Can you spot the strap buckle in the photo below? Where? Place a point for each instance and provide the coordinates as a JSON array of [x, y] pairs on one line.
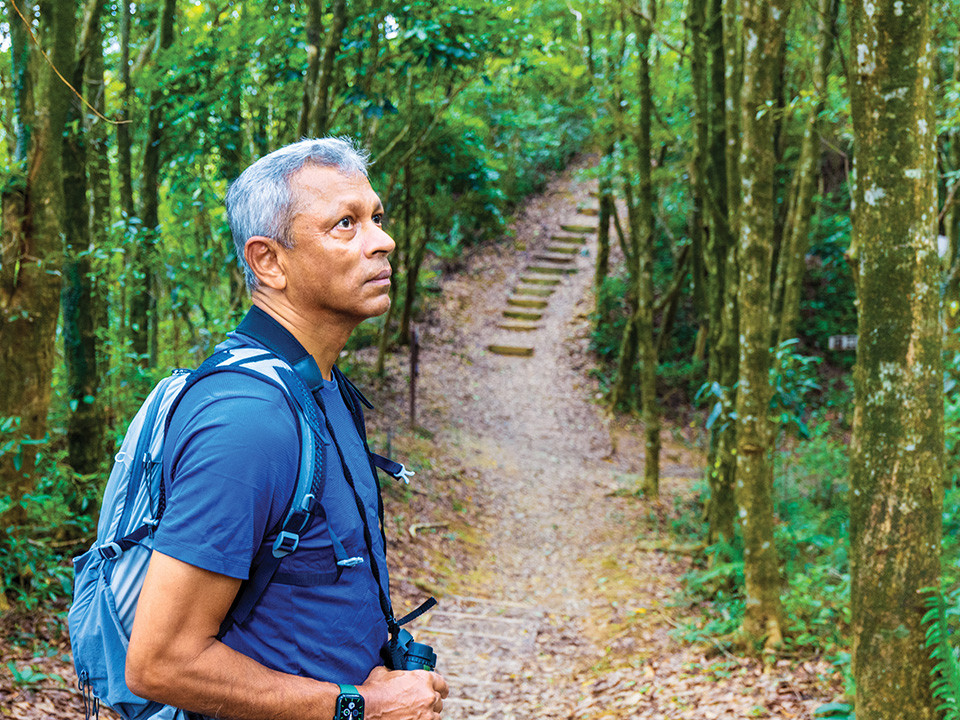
[[350, 562], [110, 551], [285, 544]]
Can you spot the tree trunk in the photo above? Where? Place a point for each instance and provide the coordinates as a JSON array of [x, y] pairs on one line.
[[143, 301], [627, 357], [897, 449], [794, 249], [763, 37], [647, 252], [723, 366], [31, 248], [320, 111], [607, 209], [313, 31], [696, 24], [77, 298]]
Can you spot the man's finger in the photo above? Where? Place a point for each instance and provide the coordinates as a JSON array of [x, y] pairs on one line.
[[438, 704], [440, 685]]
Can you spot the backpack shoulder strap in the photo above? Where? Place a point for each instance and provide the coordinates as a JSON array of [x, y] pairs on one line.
[[304, 504]]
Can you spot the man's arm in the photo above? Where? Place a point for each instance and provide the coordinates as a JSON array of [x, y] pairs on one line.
[[175, 658]]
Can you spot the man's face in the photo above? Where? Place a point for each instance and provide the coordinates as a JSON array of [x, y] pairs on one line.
[[338, 267]]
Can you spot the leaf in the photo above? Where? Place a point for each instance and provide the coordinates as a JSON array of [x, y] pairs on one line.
[[834, 710]]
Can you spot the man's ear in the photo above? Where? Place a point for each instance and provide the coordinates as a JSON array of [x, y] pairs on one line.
[[262, 256]]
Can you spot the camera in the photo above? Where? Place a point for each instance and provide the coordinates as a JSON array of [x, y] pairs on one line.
[[402, 653]]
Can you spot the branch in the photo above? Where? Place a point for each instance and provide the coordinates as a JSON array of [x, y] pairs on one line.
[[669, 45]]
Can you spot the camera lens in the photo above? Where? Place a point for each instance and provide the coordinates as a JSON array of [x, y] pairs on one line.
[[420, 657]]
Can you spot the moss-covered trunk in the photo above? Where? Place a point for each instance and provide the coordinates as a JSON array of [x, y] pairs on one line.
[[31, 246], [763, 23], [646, 334], [724, 194], [897, 450]]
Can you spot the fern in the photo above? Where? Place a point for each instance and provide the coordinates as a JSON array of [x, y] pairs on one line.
[[946, 673]]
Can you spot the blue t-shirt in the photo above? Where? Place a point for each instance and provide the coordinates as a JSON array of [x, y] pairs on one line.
[[230, 468]]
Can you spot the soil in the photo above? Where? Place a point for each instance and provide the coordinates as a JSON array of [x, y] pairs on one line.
[[558, 591]]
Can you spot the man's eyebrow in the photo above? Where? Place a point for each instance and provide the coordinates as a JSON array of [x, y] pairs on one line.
[[357, 207]]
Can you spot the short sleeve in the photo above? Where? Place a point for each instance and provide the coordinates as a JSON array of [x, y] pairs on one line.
[[230, 468]]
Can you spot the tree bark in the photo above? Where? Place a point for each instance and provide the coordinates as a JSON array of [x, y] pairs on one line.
[[696, 24], [31, 249], [897, 449], [723, 357], [763, 37], [646, 334]]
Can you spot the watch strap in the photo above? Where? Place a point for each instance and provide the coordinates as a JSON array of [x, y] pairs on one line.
[[349, 690]]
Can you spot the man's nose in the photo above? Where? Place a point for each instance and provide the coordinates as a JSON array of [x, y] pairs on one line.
[[380, 242]]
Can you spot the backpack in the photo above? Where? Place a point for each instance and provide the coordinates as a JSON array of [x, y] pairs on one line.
[[109, 576]]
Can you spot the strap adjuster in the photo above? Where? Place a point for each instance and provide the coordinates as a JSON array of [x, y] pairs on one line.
[[350, 562], [110, 551], [285, 544]]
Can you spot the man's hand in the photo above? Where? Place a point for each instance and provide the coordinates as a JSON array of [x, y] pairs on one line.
[[403, 694]]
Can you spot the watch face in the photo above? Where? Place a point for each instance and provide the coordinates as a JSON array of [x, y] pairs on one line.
[[349, 707]]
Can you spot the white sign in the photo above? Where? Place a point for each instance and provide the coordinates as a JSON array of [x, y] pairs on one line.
[[843, 342]]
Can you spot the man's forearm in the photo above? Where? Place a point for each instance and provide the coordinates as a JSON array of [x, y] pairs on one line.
[[221, 682]]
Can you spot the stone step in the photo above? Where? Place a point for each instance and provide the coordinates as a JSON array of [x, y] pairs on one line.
[[581, 229], [589, 211], [554, 257], [519, 326], [522, 315], [570, 239], [535, 291], [526, 302], [566, 249], [510, 350], [534, 280], [549, 270]]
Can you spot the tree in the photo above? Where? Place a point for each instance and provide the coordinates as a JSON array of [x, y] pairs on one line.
[[143, 301], [763, 30], [897, 449], [31, 251], [80, 305]]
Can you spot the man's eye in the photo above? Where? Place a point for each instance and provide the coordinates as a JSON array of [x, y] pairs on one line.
[[346, 223], [378, 219]]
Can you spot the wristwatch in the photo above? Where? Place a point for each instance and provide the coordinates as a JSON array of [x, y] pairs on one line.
[[349, 704]]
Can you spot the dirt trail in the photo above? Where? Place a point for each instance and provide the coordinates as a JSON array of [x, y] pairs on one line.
[[563, 616]]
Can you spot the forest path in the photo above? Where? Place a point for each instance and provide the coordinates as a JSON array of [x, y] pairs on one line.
[[563, 615]]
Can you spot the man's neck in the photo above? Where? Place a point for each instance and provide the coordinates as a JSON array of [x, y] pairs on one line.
[[323, 338]]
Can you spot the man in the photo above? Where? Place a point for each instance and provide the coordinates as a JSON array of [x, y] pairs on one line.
[[309, 235]]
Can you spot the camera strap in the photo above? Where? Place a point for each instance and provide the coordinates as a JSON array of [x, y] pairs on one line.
[[264, 329], [393, 625]]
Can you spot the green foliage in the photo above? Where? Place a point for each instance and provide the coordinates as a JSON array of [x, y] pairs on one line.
[[942, 622], [810, 500], [828, 303], [793, 377], [35, 558]]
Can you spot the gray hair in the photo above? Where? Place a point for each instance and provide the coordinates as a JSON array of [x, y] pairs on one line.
[[261, 202]]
